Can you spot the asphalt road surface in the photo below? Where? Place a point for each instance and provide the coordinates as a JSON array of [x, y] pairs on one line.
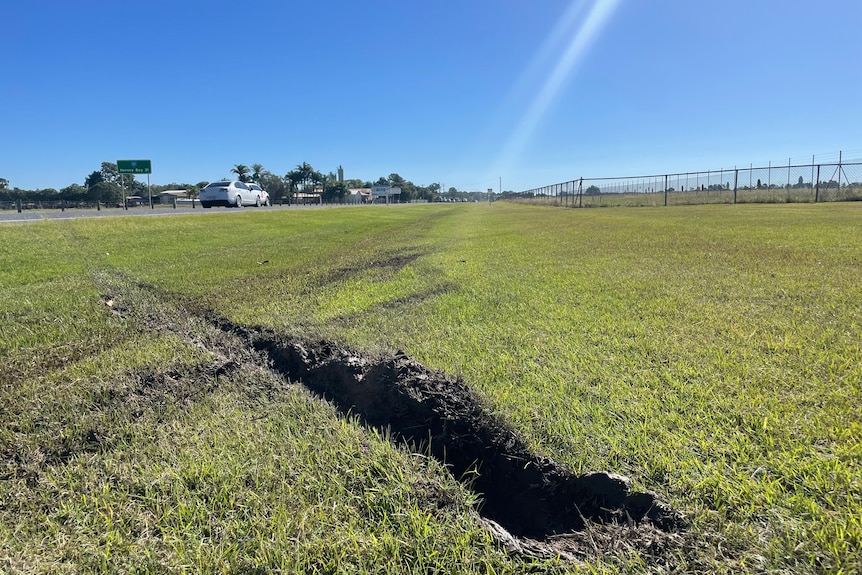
[[158, 210]]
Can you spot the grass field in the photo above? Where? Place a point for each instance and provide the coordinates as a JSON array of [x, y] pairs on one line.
[[712, 354]]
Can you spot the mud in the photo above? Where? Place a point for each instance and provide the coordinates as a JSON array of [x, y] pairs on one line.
[[525, 493], [392, 263], [529, 503]]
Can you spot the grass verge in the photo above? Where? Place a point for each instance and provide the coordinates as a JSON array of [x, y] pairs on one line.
[[711, 353]]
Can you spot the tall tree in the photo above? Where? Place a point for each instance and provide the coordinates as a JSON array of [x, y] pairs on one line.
[[93, 179], [334, 191], [105, 192], [318, 181], [256, 172], [73, 193], [241, 171], [307, 173], [272, 184], [301, 176], [110, 173], [293, 179]]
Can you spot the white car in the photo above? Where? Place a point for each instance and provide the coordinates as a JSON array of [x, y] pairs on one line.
[[228, 193], [263, 195]]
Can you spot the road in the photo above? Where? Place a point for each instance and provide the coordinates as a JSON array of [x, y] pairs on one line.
[[7, 216]]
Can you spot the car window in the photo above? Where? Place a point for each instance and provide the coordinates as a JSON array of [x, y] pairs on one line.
[[241, 186], [219, 185]]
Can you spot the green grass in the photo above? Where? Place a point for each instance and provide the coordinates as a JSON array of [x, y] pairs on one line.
[[711, 353], [697, 197]]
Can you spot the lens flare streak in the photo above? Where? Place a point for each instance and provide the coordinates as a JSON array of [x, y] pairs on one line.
[[586, 32]]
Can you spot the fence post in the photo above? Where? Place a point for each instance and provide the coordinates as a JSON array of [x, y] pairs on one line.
[[840, 172], [817, 186], [665, 190], [18, 205], [98, 206], [735, 182]]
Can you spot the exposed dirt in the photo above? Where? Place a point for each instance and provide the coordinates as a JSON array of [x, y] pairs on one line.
[[392, 262], [527, 494], [530, 504]]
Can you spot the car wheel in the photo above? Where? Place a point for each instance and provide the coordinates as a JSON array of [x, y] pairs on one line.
[[257, 202], [206, 205], [238, 202], [267, 203]]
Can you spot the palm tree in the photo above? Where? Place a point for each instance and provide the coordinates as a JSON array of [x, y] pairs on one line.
[[306, 172], [318, 180], [299, 179], [292, 179], [241, 171], [256, 172]]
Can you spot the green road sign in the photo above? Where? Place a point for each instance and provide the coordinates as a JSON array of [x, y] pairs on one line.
[[134, 167]]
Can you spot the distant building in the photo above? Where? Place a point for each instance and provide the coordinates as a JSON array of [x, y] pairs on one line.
[[385, 194], [168, 196], [358, 196], [307, 198]]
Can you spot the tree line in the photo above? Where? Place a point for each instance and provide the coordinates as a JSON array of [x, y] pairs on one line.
[[304, 179], [108, 186]]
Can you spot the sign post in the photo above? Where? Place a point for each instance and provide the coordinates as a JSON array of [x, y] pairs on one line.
[[137, 167]]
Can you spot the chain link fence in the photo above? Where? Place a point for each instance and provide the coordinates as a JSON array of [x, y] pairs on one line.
[[801, 183]]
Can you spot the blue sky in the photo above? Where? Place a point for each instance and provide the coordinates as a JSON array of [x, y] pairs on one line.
[[469, 93]]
